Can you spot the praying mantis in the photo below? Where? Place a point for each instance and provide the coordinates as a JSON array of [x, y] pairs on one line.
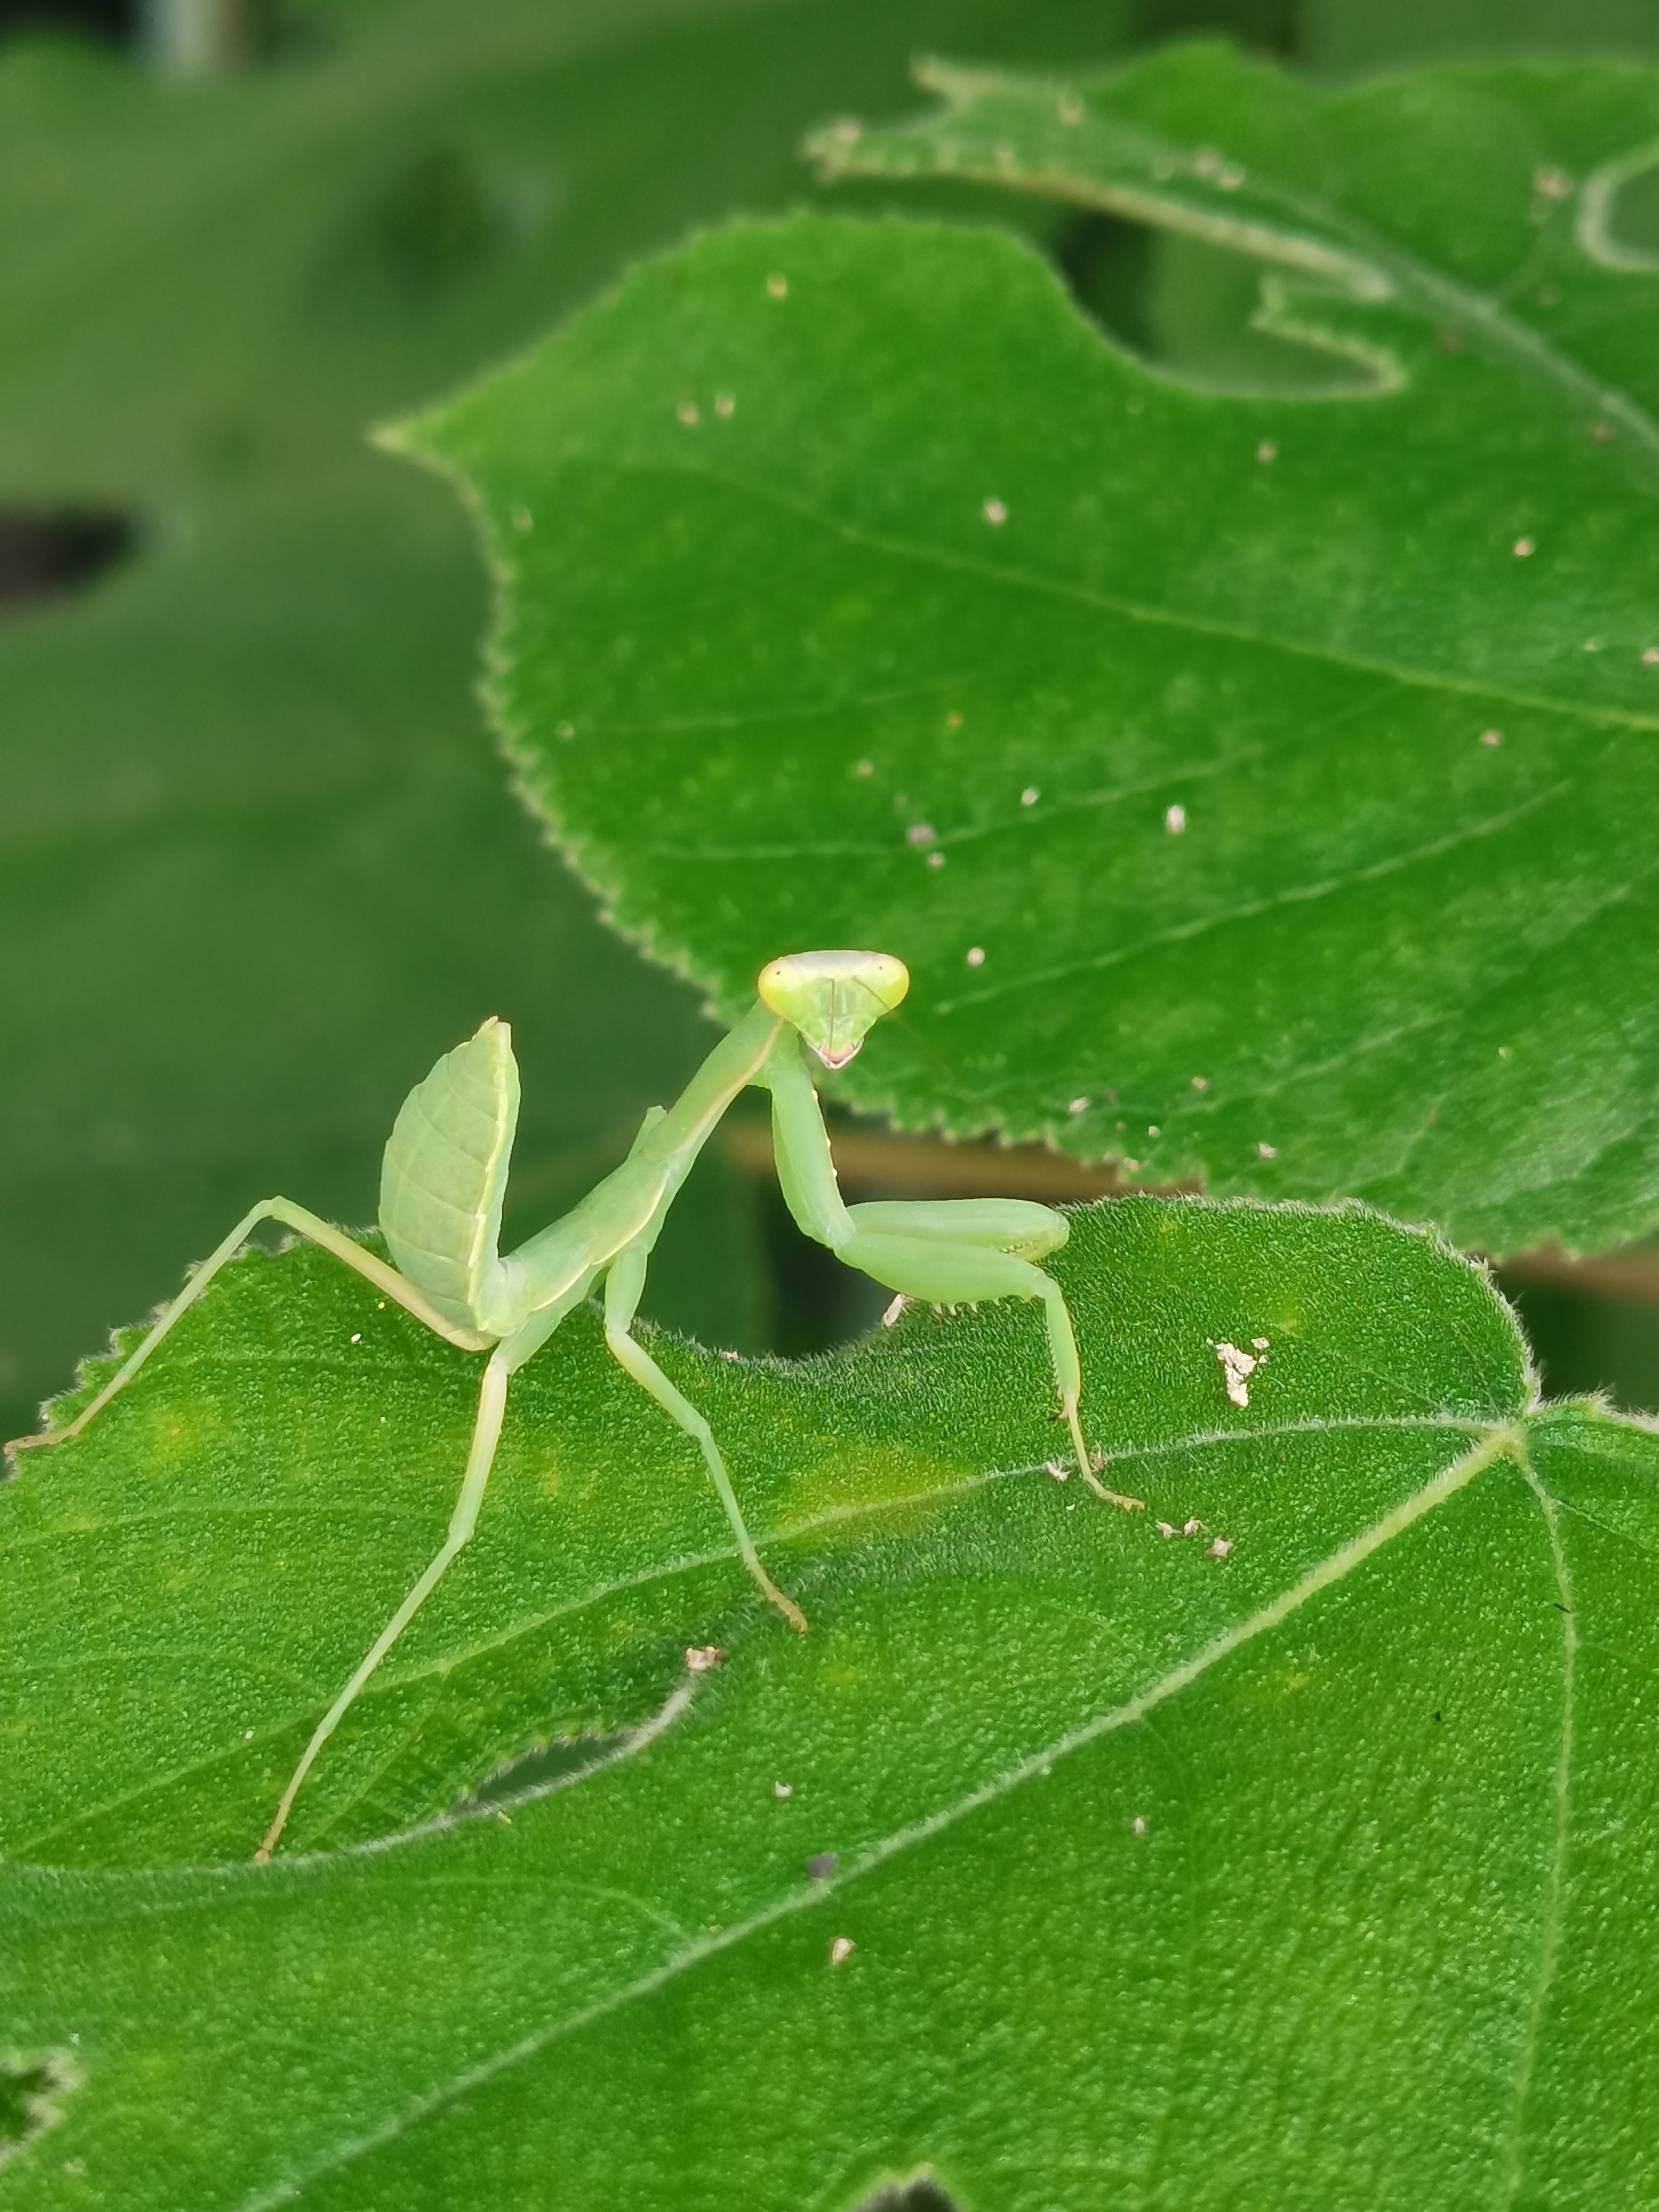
[[442, 1185]]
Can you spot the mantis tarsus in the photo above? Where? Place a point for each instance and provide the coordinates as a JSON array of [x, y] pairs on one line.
[[442, 1188]]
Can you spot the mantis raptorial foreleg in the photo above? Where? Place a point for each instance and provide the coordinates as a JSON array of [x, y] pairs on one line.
[[917, 1249], [441, 1191], [948, 1251]]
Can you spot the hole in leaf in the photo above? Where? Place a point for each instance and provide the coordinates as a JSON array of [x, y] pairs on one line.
[[32, 2090], [1271, 25], [1108, 265], [1631, 220], [561, 1760], [52, 552], [921, 2195], [1194, 309]]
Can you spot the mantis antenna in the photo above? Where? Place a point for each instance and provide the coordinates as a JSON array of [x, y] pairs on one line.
[[441, 1189]]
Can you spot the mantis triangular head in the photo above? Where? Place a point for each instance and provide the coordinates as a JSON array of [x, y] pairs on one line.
[[834, 998]]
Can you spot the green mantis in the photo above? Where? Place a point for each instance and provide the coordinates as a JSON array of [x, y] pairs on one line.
[[441, 1191]]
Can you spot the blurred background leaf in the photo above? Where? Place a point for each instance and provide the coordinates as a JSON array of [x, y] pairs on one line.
[[262, 864]]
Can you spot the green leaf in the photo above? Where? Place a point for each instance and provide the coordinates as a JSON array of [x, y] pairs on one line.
[[900, 607], [1301, 1876]]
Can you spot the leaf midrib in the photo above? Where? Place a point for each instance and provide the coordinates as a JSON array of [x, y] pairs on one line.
[[1499, 1439]]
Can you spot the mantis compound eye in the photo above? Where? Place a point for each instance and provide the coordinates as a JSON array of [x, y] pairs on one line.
[[834, 998]]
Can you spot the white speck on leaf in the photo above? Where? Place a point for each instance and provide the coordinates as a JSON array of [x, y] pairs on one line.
[[687, 411], [920, 833], [994, 512], [1078, 1106], [975, 955], [1137, 1826], [1030, 796], [1060, 1471], [849, 131], [1220, 1548], [893, 1311], [703, 1658], [1200, 1082], [1236, 1369], [1554, 183], [1650, 656], [1524, 548], [1492, 737], [1152, 1129], [778, 286], [783, 1788], [1258, 1344], [840, 1950], [1174, 820], [936, 860], [1266, 450], [358, 1337], [1267, 1151], [864, 768]]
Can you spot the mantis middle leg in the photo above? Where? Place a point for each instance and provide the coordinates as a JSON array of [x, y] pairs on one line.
[[624, 1287]]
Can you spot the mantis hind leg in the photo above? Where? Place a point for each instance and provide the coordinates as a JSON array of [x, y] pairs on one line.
[[959, 1270], [324, 1233], [622, 1288], [486, 1433]]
